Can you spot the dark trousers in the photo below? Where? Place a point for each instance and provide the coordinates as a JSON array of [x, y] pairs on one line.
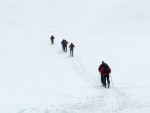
[[106, 77], [52, 41], [65, 48], [71, 52], [102, 79]]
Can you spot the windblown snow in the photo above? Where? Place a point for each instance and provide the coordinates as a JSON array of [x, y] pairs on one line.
[[37, 77]]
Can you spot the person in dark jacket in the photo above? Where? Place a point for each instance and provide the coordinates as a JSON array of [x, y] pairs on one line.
[[105, 70], [63, 44], [52, 39], [102, 77], [71, 49]]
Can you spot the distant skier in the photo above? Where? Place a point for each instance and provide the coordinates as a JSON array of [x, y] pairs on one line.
[[102, 76], [71, 49], [105, 70], [64, 45], [52, 39]]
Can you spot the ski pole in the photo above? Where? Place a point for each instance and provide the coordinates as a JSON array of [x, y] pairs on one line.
[[111, 80]]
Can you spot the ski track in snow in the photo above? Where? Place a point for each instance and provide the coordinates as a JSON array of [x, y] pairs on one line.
[[111, 100], [83, 71], [114, 100]]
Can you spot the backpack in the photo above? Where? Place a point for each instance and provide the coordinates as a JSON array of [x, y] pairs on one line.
[[106, 68]]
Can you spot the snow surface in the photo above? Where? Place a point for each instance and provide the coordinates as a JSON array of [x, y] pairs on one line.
[[37, 77]]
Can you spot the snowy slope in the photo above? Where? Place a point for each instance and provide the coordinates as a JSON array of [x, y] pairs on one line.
[[37, 77]]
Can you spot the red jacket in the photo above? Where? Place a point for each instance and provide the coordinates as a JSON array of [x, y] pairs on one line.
[[100, 67], [103, 71], [71, 46]]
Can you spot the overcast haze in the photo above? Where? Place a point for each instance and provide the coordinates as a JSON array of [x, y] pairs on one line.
[[37, 77]]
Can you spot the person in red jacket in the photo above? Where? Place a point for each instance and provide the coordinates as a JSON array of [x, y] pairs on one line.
[[99, 69], [71, 49], [105, 70]]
